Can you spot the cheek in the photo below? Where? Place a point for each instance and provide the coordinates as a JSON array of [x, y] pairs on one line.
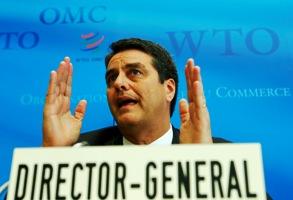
[[155, 93], [110, 99], [109, 95]]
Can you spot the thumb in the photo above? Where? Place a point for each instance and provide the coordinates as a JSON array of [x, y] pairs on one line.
[[184, 111], [80, 109]]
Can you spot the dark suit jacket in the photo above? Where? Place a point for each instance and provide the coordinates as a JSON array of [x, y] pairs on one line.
[[112, 136]]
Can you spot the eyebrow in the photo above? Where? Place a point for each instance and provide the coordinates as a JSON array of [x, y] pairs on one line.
[[134, 65], [128, 65]]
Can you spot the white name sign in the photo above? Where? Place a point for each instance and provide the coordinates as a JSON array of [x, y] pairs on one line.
[[218, 171]]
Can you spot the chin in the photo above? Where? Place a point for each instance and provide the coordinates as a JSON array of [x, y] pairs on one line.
[[127, 120]]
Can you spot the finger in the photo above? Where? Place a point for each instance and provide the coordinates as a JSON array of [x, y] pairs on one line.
[[69, 81], [197, 91], [189, 77], [67, 59], [80, 110], [184, 111], [188, 83], [51, 93], [190, 64], [200, 101], [192, 74], [62, 75], [196, 76]]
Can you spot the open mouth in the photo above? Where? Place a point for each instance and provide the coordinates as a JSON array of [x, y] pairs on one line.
[[126, 102]]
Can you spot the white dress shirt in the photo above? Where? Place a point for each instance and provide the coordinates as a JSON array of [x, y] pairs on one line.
[[165, 139]]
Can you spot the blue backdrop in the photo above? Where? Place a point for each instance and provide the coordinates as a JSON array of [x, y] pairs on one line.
[[244, 48]]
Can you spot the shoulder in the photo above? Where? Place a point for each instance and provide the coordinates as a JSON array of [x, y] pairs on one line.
[[220, 140], [105, 136], [176, 133]]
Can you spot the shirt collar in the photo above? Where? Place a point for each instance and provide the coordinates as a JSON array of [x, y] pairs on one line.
[[165, 139]]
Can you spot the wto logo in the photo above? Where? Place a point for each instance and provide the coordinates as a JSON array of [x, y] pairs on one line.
[[92, 41]]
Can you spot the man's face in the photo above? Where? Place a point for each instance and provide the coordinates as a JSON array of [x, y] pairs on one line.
[[135, 94]]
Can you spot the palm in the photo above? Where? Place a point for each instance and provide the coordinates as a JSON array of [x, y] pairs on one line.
[[60, 127]]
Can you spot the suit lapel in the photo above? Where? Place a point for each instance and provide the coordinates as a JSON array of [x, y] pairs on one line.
[[176, 133], [117, 138]]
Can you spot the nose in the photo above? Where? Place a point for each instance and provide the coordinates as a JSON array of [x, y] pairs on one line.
[[121, 82]]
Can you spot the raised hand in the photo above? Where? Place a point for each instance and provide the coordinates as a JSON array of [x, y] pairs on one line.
[[60, 127], [194, 115]]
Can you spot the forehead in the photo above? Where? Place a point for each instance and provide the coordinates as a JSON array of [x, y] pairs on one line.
[[130, 56]]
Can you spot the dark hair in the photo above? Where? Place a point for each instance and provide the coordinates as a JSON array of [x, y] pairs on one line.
[[162, 60]]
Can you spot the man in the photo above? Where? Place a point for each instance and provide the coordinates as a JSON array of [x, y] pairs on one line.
[[142, 84]]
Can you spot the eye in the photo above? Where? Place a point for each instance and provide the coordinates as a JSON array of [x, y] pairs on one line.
[[111, 78], [135, 72]]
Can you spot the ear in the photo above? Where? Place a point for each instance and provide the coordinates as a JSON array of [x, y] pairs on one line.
[[170, 88]]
